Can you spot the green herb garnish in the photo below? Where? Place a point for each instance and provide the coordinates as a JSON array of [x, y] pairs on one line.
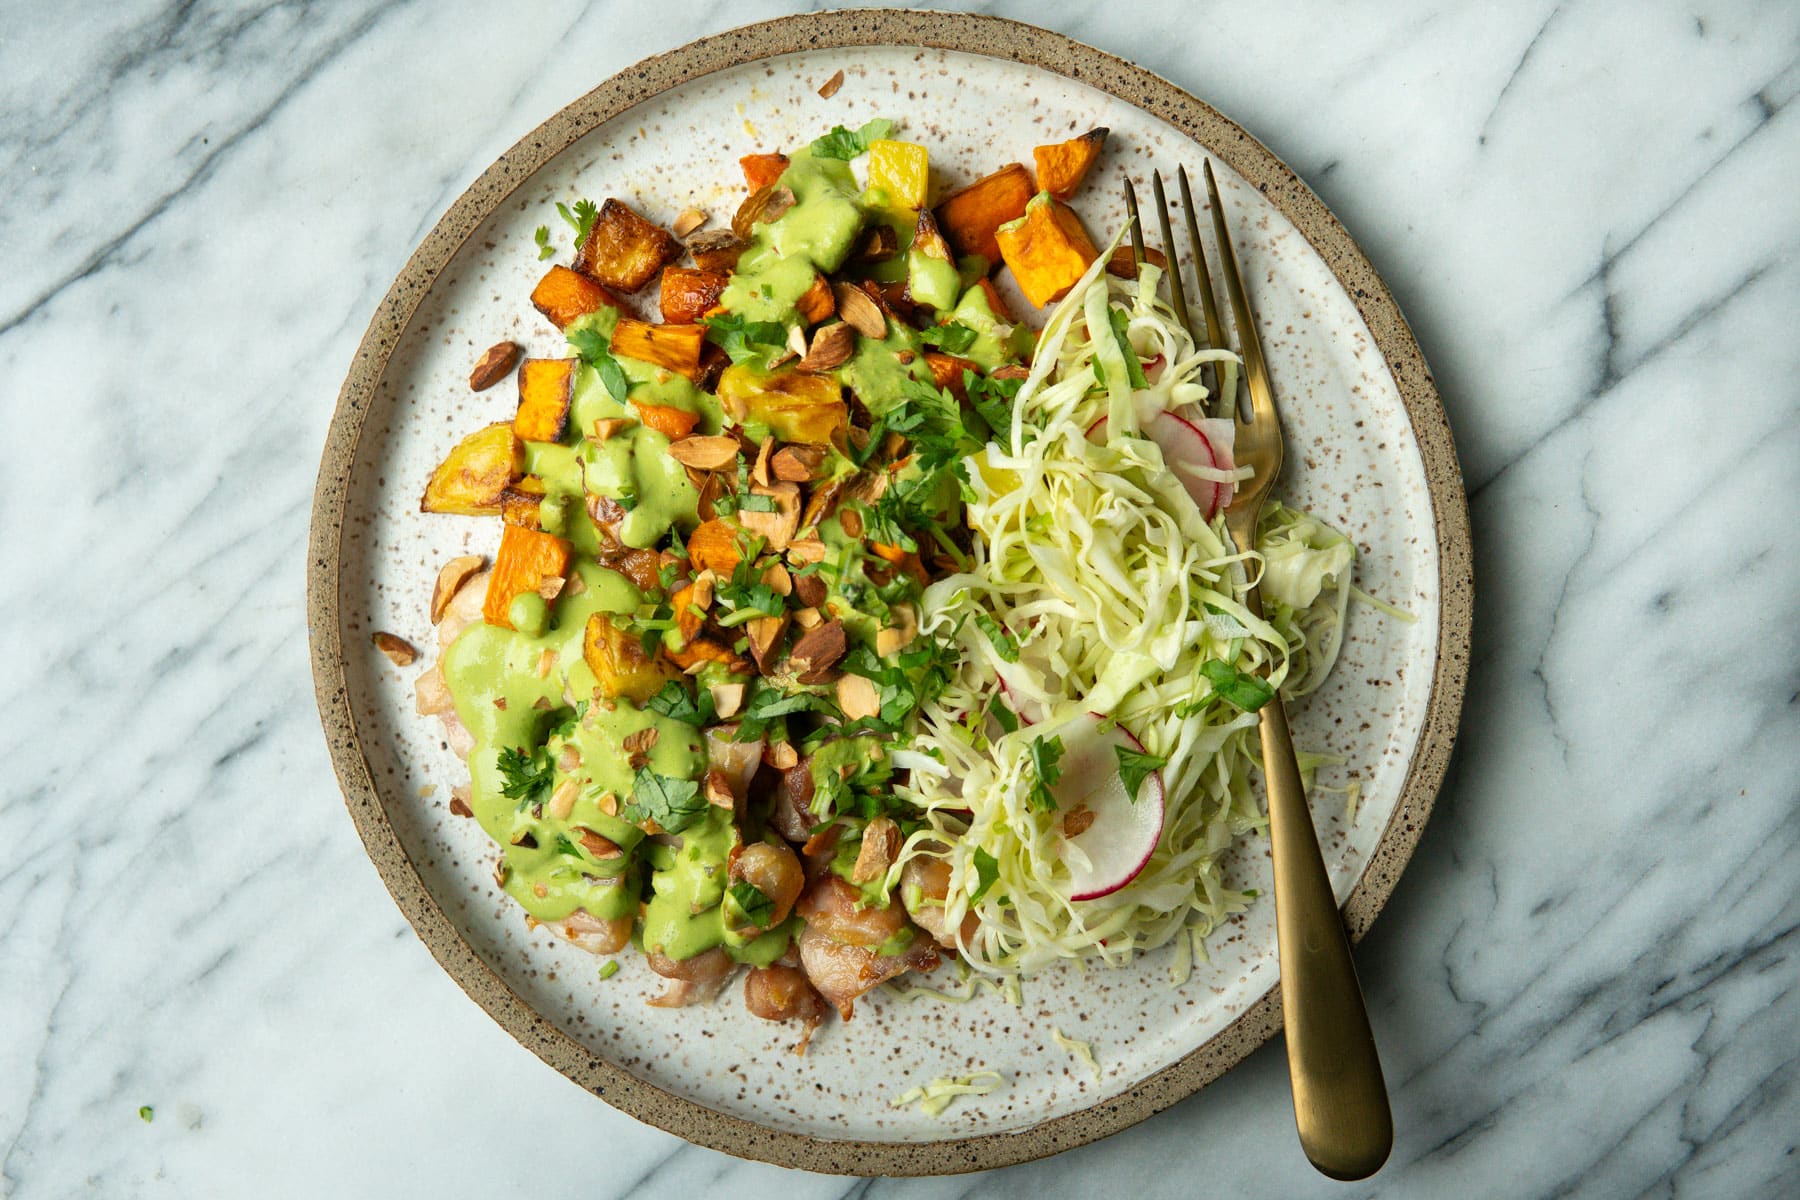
[[672, 803], [987, 870], [753, 903], [1005, 645], [952, 338], [146, 1114], [1135, 766], [1242, 690], [582, 219], [849, 143], [542, 237], [594, 350], [525, 774], [743, 340], [1046, 768], [674, 701], [609, 968], [1133, 367]]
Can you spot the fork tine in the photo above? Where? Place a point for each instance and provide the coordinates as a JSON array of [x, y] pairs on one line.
[[1215, 330], [1137, 225], [1175, 288], [1256, 369]]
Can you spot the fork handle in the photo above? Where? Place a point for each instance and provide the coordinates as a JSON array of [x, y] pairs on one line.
[[1340, 1098]]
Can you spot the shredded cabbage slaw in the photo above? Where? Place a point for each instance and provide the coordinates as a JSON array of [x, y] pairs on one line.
[[1094, 557]]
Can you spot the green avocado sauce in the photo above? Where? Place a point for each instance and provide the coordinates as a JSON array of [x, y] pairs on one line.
[[686, 913]]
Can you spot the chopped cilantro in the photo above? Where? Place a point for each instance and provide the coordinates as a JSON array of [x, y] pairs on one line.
[[672, 803], [987, 870], [757, 502], [849, 143], [146, 1114], [582, 219], [740, 338], [594, 350], [1005, 645], [753, 903], [609, 968], [1046, 769], [1135, 766], [1235, 687], [952, 338], [525, 774], [1008, 720], [674, 701], [542, 237], [1133, 367], [991, 398]]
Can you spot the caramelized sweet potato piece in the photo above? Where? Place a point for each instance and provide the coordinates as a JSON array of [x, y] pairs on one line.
[[519, 502], [796, 406], [563, 295], [687, 294], [619, 663], [969, 217], [472, 476], [714, 546], [716, 250], [673, 423], [673, 347], [1062, 167], [817, 302], [705, 650], [623, 250], [947, 370], [1046, 248], [762, 170], [526, 558], [546, 389]]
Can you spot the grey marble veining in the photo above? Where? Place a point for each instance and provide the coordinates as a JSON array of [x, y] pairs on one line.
[[1585, 984]]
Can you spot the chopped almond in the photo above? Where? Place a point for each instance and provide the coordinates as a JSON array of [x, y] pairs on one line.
[[562, 800], [776, 528], [727, 699], [451, 577], [764, 635], [398, 650], [718, 790], [830, 87], [862, 313], [857, 697], [493, 366], [817, 651], [880, 844], [780, 755], [797, 464], [705, 452], [689, 220], [831, 347]]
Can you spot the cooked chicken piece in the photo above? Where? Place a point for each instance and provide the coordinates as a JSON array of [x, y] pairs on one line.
[[596, 935], [924, 882], [695, 980], [782, 993], [841, 973]]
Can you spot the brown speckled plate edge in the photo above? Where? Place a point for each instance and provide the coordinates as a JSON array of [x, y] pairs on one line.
[[996, 38]]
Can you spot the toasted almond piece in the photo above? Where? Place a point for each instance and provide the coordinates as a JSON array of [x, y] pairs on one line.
[[727, 699], [596, 845], [705, 584], [608, 804], [880, 844], [704, 452], [764, 634], [569, 757], [459, 802], [851, 521], [1076, 821], [718, 790], [495, 364], [807, 618], [643, 739], [606, 427], [562, 800], [818, 650], [778, 579], [829, 88], [546, 663], [781, 755], [552, 587], [451, 576], [892, 641], [1010, 371], [796, 341], [687, 221], [760, 472], [398, 650], [776, 528], [797, 464], [502, 873], [806, 550], [859, 311], [857, 697], [831, 347], [764, 206]]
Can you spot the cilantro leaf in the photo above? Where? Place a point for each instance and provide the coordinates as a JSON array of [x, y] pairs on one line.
[[1133, 366], [582, 219], [524, 774], [596, 351], [1046, 767], [542, 237], [1247, 692], [1005, 645], [757, 502], [1008, 720], [987, 870], [672, 803], [674, 702], [847, 143], [991, 398], [951, 338], [740, 338], [753, 903], [1135, 766]]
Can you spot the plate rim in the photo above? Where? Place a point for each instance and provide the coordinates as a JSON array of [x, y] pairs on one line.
[[988, 36]]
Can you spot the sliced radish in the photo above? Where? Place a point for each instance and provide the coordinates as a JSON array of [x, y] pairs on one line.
[[1221, 435], [1188, 448], [1124, 833]]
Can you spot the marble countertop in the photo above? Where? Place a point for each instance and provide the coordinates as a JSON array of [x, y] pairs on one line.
[[1584, 985]]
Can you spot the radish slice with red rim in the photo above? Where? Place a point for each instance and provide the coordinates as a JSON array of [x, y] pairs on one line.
[[1117, 845]]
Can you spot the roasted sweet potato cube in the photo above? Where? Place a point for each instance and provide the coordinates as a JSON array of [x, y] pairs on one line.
[[947, 370], [563, 295], [1062, 167], [673, 423], [761, 170], [716, 250], [623, 250], [795, 405], [969, 217], [672, 347], [525, 560], [472, 477], [620, 666], [688, 295], [519, 502], [816, 303], [546, 389], [1046, 248], [902, 170], [713, 546], [705, 650]]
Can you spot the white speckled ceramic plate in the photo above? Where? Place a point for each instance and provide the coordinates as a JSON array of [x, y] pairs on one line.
[[1368, 452]]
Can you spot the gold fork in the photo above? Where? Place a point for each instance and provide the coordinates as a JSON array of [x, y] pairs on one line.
[[1340, 1099]]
